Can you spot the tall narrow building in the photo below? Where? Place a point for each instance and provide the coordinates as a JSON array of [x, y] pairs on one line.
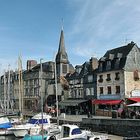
[[62, 62]]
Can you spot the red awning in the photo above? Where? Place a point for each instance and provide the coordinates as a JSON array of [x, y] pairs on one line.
[[135, 99], [106, 102]]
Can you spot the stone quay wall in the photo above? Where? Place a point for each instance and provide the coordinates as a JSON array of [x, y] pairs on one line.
[[122, 127]]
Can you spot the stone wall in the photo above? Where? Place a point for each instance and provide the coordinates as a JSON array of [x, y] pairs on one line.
[[122, 127], [130, 83]]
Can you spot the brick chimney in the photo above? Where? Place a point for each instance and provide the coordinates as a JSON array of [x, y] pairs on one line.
[[31, 64], [94, 63]]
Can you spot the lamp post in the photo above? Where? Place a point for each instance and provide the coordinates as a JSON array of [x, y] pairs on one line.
[[56, 94], [41, 94]]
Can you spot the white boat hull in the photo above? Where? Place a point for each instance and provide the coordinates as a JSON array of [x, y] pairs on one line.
[[20, 130], [20, 133], [5, 132]]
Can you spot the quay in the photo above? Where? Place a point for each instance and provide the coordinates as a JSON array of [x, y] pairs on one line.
[[116, 128]]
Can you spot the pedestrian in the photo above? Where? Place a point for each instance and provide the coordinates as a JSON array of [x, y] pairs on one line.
[[88, 114]]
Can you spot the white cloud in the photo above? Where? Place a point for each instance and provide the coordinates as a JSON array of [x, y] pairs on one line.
[[104, 24]]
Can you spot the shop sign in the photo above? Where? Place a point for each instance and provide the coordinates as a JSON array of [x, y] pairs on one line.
[[135, 93]]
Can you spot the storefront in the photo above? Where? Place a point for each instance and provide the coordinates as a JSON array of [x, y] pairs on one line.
[[105, 107], [78, 106]]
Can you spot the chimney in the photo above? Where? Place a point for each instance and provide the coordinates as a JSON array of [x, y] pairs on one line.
[[31, 64], [94, 63]]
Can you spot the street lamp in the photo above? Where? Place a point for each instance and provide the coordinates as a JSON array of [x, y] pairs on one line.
[[41, 94]]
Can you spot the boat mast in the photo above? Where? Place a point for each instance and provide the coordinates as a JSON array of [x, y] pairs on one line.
[[8, 90], [5, 105], [20, 85]]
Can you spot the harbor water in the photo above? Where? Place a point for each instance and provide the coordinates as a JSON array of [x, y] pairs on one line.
[[11, 137], [111, 137]]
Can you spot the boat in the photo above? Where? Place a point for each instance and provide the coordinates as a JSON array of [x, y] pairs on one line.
[[37, 133], [4, 125], [38, 136], [73, 132], [20, 130]]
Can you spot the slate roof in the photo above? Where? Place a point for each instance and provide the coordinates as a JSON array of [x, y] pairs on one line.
[[124, 50], [85, 70], [46, 66], [120, 53]]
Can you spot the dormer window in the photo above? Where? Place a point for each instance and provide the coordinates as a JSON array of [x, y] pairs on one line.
[[108, 65], [117, 76], [108, 77], [117, 63], [100, 66], [100, 78], [111, 56]]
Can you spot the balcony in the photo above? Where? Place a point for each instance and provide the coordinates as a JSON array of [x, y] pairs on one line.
[[100, 80], [117, 78], [108, 79]]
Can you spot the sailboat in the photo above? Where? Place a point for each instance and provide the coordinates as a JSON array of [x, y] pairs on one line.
[[4, 120]]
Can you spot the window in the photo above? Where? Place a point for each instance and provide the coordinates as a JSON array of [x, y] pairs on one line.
[[90, 78], [117, 76], [101, 90], [136, 75], [66, 131], [26, 92], [76, 131], [117, 62], [108, 65], [109, 89], [64, 68], [100, 66], [87, 91], [36, 82], [117, 89], [100, 78], [108, 77], [92, 91]]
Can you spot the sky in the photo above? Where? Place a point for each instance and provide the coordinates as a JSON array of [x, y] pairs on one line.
[[31, 29]]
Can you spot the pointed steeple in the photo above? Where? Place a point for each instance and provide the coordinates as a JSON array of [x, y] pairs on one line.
[[62, 62], [62, 42], [61, 56]]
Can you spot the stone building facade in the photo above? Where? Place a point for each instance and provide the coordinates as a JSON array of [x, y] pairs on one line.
[[118, 76], [82, 88]]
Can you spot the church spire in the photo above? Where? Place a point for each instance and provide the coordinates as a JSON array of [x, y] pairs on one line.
[[62, 62], [61, 56], [62, 42]]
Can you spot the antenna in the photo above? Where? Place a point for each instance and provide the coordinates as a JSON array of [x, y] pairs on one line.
[[126, 39], [62, 23]]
